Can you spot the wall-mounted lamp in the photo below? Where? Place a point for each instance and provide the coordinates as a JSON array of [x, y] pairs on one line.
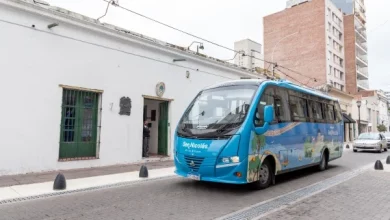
[[177, 60], [50, 26], [200, 46]]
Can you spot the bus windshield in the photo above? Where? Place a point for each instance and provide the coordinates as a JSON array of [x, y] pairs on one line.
[[216, 112]]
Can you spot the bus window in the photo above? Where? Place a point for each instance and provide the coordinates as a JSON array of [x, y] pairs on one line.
[[329, 111], [267, 98], [316, 110], [298, 108], [281, 105], [337, 109]]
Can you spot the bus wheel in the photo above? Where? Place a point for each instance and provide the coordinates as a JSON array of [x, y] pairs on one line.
[[266, 176], [324, 161]]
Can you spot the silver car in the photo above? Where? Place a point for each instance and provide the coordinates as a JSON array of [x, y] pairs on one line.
[[370, 142], [387, 136]]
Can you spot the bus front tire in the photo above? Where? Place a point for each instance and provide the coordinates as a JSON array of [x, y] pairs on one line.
[[266, 176]]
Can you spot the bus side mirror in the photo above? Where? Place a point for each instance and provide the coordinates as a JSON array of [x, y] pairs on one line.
[[268, 113]]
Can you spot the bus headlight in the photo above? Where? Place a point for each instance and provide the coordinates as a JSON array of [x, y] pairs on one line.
[[234, 159]]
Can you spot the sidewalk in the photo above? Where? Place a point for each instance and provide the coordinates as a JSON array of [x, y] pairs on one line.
[[80, 173], [363, 197]]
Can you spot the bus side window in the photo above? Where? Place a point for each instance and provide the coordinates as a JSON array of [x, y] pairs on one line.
[[298, 108], [338, 115], [329, 111], [316, 110], [267, 98], [281, 105]]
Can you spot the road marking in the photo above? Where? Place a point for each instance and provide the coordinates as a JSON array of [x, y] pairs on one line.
[[267, 207]]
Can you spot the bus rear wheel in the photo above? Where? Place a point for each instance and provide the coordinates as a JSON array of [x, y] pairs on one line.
[[266, 176]]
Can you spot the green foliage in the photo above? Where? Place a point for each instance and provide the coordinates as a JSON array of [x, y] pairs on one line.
[[382, 128]]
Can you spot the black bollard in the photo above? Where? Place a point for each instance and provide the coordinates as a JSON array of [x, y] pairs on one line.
[[59, 182], [388, 160], [143, 172], [378, 165], [347, 146]]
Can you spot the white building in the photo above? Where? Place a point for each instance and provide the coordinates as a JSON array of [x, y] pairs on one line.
[[373, 110], [253, 51], [67, 83], [335, 46]]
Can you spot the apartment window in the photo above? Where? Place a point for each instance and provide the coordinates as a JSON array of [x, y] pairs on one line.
[[342, 76], [329, 12], [330, 69], [337, 46], [329, 26], [79, 124], [338, 60], [341, 87]]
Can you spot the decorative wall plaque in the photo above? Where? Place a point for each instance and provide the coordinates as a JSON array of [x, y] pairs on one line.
[[160, 89], [125, 106]]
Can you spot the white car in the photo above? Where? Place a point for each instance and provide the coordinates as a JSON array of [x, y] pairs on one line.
[[370, 142], [387, 136]]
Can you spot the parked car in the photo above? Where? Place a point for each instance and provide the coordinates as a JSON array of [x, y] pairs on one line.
[[387, 136], [370, 142]]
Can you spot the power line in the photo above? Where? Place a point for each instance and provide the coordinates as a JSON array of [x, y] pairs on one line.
[[185, 32], [284, 73], [203, 39], [294, 71]]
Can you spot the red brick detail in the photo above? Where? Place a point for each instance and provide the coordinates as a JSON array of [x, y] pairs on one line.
[[304, 51], [350, 54]]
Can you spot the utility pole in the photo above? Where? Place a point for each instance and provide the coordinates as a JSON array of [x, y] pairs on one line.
[[274, 65]]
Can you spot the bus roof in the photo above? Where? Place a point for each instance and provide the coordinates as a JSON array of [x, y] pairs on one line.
[[240, 82], [282, 83]]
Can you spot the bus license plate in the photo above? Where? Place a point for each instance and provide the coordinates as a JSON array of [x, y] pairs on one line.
[[193, 176]]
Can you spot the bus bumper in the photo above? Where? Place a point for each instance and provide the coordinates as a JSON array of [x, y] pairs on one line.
[[227, 173]]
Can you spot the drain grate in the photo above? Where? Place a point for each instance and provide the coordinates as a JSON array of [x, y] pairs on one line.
[[260, 209], [28, 198]]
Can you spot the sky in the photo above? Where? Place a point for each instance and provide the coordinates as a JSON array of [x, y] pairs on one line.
[[226, 21]]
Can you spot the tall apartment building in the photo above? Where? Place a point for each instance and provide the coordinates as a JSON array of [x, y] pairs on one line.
[[355, 44], [252, 49], [308, 37]]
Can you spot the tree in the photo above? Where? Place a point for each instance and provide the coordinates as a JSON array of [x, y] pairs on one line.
[[382, 128]]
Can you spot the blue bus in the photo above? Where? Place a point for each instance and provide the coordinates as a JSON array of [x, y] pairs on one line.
[[248, 131]]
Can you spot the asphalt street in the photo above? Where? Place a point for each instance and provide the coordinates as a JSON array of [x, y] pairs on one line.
[[174, 198]]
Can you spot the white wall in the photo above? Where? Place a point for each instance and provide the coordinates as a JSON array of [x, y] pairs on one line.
[[35, 61], [329, 44]]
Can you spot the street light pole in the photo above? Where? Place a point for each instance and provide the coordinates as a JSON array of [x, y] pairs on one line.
[[359, 104]]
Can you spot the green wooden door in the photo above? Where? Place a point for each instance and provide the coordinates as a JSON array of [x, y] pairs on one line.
[[163, 129], [79, 124]]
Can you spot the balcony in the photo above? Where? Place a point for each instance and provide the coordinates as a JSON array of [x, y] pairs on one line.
[[361, 59], [363, 84], [361, 34], [361, 47], [360, 13], [362, 73]]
